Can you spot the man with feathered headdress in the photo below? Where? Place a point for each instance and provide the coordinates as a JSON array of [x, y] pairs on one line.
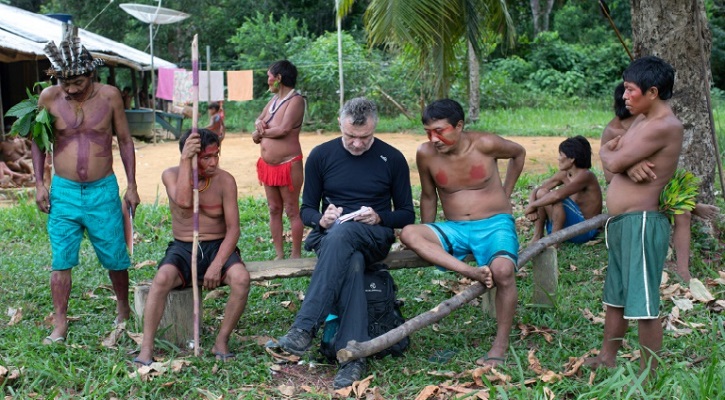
[[84, 191]]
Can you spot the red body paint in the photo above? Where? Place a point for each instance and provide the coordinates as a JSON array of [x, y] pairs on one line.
[[84, 136], [477, 172], [441, 177]]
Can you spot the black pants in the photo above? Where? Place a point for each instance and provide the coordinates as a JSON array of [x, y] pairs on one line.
[[336, 286]]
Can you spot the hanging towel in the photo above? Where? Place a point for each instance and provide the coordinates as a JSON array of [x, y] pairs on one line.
[[217, 85], [165, 84], [239, 85], [182, 87]]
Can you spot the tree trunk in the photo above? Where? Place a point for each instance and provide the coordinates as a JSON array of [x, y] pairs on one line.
[[547, 14], [355, 350], [474, 83], [677, 32], [535, 15]]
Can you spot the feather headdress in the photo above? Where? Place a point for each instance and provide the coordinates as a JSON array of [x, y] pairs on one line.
[[72, 58]]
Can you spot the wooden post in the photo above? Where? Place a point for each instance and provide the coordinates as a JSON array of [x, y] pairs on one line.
[[546, 277], [177, 322], [488, 302]]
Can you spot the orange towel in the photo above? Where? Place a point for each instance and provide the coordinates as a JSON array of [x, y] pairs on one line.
[[239, 85]]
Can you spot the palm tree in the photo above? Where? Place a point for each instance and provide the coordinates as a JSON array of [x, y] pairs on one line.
[[432, 29]]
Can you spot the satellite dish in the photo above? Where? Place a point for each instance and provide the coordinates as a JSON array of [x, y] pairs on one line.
[[154, 14]]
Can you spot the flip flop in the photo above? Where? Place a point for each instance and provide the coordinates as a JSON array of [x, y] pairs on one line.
[[224, 356], [142, 363], [50, 340], [494, 361]]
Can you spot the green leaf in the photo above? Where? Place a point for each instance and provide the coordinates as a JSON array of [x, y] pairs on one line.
[[22, 125], [21, 109]]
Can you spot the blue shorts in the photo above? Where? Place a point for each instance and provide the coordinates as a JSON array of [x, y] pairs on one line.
[[486, 239], [574, 216], [93, 207]]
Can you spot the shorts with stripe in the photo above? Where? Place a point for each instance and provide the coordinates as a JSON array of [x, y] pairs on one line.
[[637, 244]]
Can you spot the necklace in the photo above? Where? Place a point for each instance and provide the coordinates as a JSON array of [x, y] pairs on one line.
[[79, 114], [275, 106], [206, 185]]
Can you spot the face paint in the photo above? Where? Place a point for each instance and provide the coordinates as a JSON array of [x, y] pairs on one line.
[[438, 134]]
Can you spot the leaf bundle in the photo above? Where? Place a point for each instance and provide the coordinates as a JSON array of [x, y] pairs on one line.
[[31, 122], [678, 196]]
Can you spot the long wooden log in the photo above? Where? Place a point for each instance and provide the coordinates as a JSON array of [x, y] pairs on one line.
[[355, 350], [291, 268]]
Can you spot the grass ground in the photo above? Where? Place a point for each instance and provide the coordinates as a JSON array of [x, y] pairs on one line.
[[692, 365]]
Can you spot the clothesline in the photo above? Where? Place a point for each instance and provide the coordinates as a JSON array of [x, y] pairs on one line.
[[175, 84]]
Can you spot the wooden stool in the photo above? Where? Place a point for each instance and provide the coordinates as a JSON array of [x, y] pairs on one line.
[[177, 323]]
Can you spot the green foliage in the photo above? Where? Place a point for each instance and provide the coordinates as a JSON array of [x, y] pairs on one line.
[[318, 77], [32, 123], [263, 39]]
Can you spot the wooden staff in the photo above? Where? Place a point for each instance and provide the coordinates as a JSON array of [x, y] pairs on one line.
[[195, 178], [355, 350], [605, 10]]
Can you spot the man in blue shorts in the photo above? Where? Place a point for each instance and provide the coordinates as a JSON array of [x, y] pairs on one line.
[[83, 193], [218, 259], [570, 196], [637, 234], [461, 168]]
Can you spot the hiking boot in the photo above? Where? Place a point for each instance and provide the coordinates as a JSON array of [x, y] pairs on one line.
[[349, 373], [295, 341]]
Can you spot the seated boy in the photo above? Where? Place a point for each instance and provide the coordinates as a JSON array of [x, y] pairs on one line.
[[571, 196]]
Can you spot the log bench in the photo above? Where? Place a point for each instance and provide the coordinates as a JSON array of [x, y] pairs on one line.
[[177, 322]]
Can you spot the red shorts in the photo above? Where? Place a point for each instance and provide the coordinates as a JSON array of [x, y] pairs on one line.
[[276, 175]]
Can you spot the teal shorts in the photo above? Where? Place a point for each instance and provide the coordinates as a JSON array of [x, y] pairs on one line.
[[637, 244], [486, 239], [93, 207]]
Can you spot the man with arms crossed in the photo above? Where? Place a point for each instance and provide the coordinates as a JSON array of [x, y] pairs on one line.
[[637, 233], [84, 190], [356, 172], [461, 168], [218, 260]]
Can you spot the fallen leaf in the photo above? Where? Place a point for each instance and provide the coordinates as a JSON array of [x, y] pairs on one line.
[[283, 357], [360, 387], [427, 392], [286, 390], [344, 392], [208, 395], [572, 267], [534, 363], [591, 317], [699, 292], [147, 263], [112, 338], [683, 304], [716, 306], [550, 376], [136, 337], [259, 340], [289, 305], [216, 294], [549, 393], [15, 314]]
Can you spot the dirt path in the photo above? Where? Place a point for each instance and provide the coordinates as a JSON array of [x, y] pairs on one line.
[[239, 156]]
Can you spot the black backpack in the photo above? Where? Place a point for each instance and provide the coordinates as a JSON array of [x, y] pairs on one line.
[[383, 313]]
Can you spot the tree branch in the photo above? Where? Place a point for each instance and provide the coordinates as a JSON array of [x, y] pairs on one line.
[[355, 350]]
